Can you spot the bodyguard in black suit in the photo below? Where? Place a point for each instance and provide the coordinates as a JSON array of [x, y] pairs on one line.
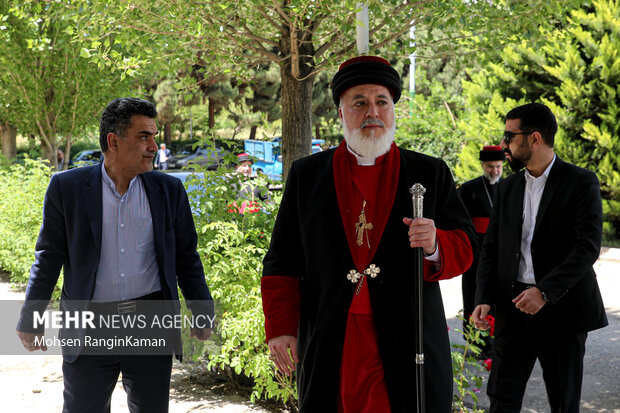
[[536, 266], [121, 233]]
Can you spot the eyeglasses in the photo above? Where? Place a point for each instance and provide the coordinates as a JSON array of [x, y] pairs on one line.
[[509, 135]]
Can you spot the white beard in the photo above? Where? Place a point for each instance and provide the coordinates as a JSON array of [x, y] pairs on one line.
[[492, 180], [368, 146]]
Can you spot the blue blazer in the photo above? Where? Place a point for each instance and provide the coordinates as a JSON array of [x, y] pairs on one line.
[[70, 237]]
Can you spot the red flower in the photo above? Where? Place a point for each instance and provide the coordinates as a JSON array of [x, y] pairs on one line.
[[487, 364], [491, 320]]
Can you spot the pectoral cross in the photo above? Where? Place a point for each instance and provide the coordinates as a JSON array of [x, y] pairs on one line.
[[361, 227]]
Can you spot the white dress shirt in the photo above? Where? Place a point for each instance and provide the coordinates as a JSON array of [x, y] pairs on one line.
[[534, 188], [128, 265]]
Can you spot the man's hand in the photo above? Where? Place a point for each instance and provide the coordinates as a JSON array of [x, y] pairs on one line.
[[422, 233], [29, 343], [479, 316], [530, 301], [201, 334], [279, 348]]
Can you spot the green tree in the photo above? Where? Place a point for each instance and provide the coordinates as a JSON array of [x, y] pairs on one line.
[[166, 101], [429, 124], [576, 72], [303, 37], [325, 113], [265, 95], [47, 89]]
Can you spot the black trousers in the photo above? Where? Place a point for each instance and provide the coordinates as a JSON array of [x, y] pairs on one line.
[[90, 381], [524, 340]]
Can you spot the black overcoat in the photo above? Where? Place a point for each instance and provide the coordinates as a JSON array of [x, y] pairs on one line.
[[309, 242]]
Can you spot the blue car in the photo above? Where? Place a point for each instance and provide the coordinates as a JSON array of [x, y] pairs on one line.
[[267, 156]]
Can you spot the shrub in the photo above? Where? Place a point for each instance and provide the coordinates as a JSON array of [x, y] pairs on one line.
[[232, 246], [22, 189], [466, 368]]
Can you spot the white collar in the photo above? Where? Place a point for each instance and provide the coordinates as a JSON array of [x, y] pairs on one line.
[[362, 160]]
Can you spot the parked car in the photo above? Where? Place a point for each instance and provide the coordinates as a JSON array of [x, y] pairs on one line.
[[267, 156], [86, 157], [209, 157], [316, 145]]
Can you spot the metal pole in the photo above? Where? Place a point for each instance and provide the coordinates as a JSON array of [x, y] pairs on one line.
[[191, 125], [362, 37], [417, 196], [412, 69]]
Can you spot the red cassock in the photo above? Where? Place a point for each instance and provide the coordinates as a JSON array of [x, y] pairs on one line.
[[356, 340]]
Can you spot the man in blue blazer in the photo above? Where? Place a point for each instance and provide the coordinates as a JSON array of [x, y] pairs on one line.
[[122, 233], [536, 264]]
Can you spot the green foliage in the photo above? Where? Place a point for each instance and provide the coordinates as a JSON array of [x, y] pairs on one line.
[[429, 126], [466, 368], [482, 125], [232, 246], [325, 113], [302, 37], [22, 188], [166, 101], [47, 90]]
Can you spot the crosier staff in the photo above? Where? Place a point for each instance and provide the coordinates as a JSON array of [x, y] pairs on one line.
[[417, 197]]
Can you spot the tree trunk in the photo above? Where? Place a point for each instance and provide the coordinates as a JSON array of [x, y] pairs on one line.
[[168, 134], [317, 131], [296, 118], [49, 152], [297, 82], [65, 163], [211, 113], [8, 138], [253, 132]]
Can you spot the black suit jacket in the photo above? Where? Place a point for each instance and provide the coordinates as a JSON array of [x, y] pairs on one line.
[[70, 238], [565, 245]]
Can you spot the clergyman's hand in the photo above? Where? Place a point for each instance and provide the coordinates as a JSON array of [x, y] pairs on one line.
[[32, 341], [279, 348], [422, 233], [479, 316]]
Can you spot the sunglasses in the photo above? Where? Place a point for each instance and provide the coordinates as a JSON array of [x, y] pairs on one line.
[[508, 136]]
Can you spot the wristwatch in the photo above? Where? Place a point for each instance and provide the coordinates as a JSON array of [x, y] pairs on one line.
[[544, 296]]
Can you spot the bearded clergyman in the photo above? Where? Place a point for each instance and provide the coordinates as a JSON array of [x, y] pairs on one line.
[[338, 279]]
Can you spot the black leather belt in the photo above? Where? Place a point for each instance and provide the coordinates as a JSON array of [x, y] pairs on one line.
[[124, 307], [522, 286]]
